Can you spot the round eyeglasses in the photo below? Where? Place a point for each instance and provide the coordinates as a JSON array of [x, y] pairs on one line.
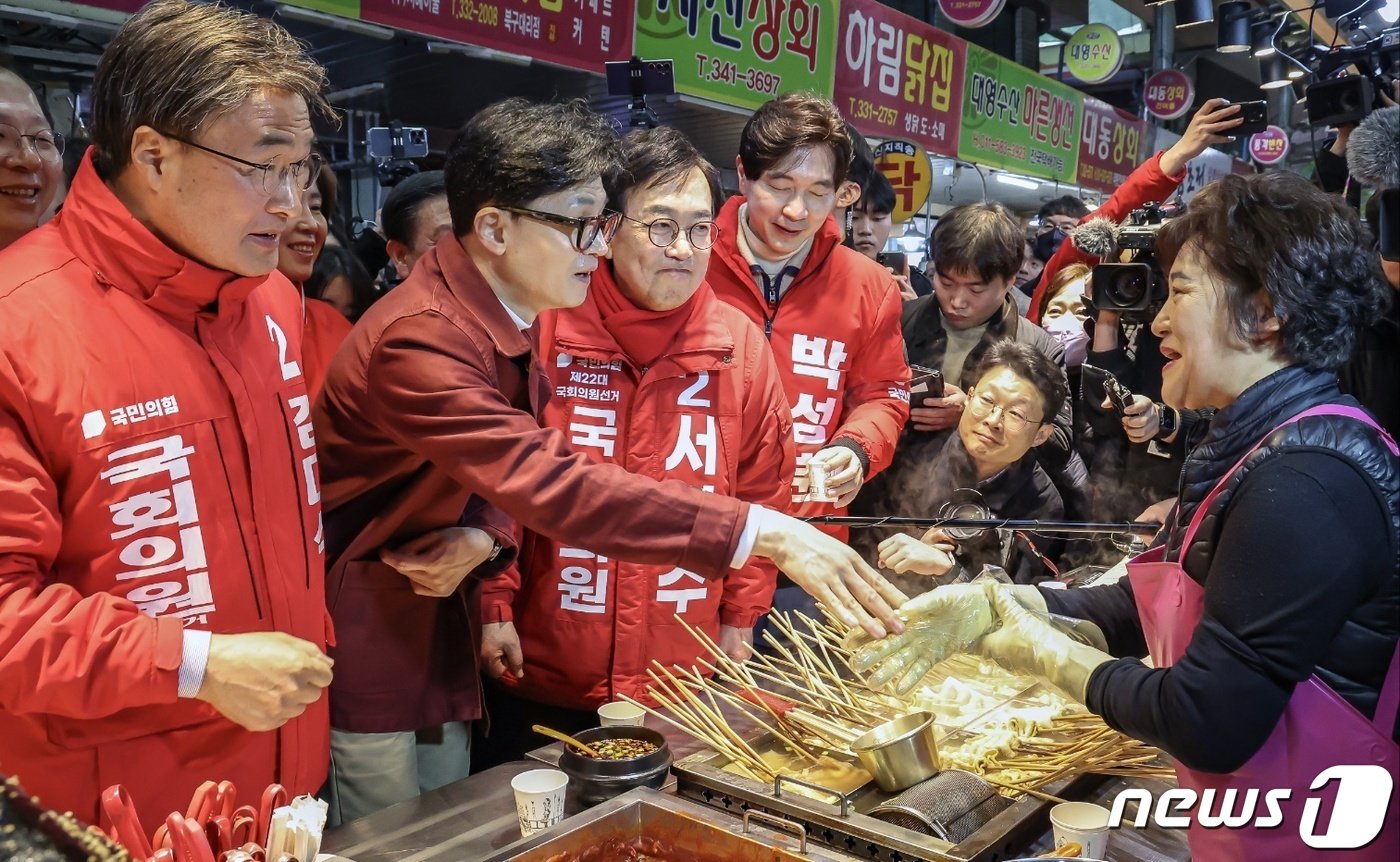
[[587, 230], [981, 405], [664, 231], [302, 174], [46, 145]]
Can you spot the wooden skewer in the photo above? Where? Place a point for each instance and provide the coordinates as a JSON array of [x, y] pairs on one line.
[[718, 745], [716, 718]]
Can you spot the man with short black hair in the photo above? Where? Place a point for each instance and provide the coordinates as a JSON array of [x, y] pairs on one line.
[[162, 609], [830, 314], [426, 414], [414, 217]]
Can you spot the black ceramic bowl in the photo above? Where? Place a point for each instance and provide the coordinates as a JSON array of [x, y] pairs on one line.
[[597, 780]]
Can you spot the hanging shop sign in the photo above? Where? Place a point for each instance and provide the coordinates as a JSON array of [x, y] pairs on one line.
[[1168, 94], [1017, 120], [742, 52], [1269, 147], [1110, 145], [343, 8], [971, 13], [579, 34], [1094, 53], [905, 164], [898, 77]]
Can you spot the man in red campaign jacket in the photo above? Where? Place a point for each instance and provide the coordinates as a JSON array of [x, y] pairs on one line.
[[654, 374], [830, 313], [162, 614]]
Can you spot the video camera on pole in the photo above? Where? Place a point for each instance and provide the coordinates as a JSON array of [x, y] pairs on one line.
[[392, 148], [1135, 289], [637, 78]]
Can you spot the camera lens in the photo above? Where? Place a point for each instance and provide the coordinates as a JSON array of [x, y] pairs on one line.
[[1128, 288]]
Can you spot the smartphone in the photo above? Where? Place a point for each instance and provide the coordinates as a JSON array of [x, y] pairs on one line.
[[1256, 118], [928, 382], [895, 260]]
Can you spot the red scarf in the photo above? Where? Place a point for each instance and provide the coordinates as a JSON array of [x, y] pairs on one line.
[[644, 335]]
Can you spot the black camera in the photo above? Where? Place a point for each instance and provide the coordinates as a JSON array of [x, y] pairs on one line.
[[393, 147], [1136, 289]]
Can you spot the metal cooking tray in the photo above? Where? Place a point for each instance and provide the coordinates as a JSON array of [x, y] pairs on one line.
[[845, 825], [670, 829]]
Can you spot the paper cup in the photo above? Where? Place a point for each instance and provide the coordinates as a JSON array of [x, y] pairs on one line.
[[621, 714], [539, 799], [1084, 823]]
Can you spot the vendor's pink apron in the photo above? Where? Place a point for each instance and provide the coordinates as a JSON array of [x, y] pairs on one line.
[[1318, 728]]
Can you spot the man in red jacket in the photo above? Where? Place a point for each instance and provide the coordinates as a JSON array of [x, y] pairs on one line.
[[830, 313], [162, 615], [656, 375], [427, 410]]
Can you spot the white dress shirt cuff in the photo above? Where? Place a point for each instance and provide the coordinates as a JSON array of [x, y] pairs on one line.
[[747, 538], [193, 661]]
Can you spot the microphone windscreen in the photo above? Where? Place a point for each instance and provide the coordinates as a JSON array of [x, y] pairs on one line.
[[1373, 151], [1097, 237]]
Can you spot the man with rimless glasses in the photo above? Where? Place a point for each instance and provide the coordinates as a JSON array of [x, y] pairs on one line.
[[162, 605], [426, 422], [1010, 411], [31, 159]]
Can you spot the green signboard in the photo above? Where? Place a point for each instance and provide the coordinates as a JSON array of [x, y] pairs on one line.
[[343, 8], [1017, 120], [742, 52]]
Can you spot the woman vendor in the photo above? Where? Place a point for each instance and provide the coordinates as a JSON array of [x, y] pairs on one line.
[[1270, 605]]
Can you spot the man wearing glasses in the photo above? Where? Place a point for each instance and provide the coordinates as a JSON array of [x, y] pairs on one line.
[[1010, 411], [652, 373], [426, 422], [31, 159], [162, 607]]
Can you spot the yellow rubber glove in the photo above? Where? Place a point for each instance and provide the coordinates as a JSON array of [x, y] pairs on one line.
[[938, 623], [1027, 642]]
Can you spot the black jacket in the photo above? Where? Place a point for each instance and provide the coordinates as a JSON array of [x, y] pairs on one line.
[[937, 467], [1301, 564]]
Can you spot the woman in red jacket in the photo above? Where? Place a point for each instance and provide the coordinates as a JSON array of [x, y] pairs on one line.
[[652, 373]]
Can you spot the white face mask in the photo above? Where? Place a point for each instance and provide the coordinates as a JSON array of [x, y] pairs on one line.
[[1069, 331]]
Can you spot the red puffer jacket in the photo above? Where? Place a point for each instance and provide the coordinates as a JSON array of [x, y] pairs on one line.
[[835, 333], [710, 412], [157, 472]]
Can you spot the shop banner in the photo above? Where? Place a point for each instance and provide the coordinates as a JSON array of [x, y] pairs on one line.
[[1269, 147], [899, 77], [1018, 120], [1110, 145], [971, 13], [579, 34], [906, 166], [1168, 94], [1094, 53], [742, 52]]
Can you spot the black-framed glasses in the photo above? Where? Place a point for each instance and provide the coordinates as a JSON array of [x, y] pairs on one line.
[[983, 405], [586, 229], [47, 145], [664, 231], [302, 174]]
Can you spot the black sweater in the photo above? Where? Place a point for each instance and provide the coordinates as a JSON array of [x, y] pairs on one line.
[[1304, 543]]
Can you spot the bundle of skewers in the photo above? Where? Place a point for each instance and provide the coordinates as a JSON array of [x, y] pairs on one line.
[[808, 696]]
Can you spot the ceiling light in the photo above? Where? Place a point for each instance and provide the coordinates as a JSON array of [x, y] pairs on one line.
[[1232, 28], [1190, 12], [1261, 38], [1272, 74], [1018, 182], [311, 16]]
